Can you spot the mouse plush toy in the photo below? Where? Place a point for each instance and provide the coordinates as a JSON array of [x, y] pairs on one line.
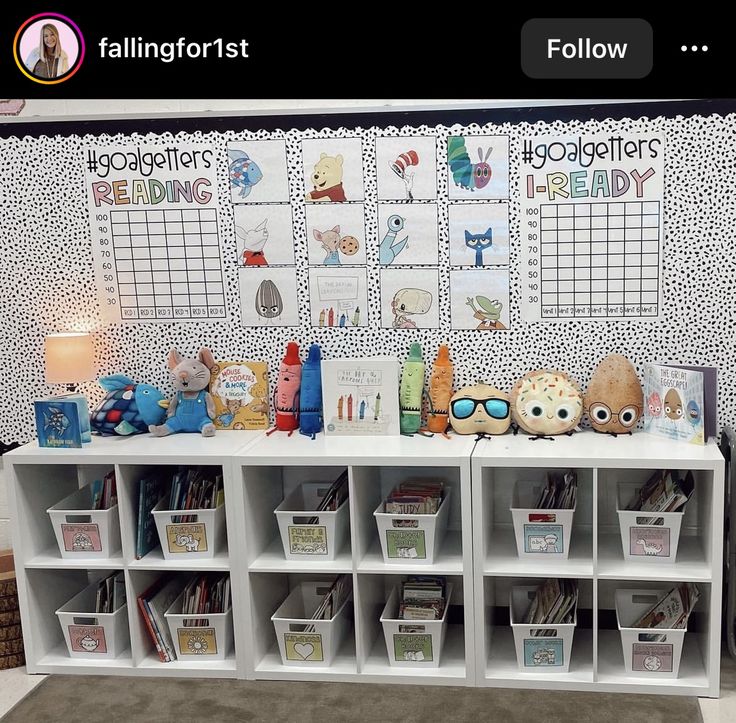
[[192, 408]]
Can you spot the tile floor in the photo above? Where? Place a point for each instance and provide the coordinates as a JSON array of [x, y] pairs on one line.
[[15, 685]]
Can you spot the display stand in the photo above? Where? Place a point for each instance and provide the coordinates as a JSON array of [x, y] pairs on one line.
[[478, 554]]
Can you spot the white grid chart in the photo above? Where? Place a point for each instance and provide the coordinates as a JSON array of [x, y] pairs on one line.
[[600, 259], [168, 264]]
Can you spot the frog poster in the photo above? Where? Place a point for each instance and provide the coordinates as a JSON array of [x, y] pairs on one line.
[[479, 299]]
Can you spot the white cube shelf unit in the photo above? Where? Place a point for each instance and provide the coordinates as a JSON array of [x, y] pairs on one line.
[[41, 477], [478, 554], [271, 469], [596, 558]]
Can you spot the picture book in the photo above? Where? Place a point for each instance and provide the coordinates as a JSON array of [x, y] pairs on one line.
[[361, 396], [150, 490], [680, 402], [240, 391], [57, 423]]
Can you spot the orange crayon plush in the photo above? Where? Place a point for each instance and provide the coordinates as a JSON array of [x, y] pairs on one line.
[[440, 391]]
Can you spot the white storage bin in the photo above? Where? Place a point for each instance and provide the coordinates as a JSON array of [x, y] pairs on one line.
[[200, 538], [539, 531], [412, 538], [413, 643], [82, 532], [316, 645], [321, 540], [534, 653], [649, 652], [93, 635], [205, 636], [642, 540]]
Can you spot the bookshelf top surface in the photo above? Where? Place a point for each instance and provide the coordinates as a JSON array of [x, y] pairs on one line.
[[589, 449], [141, 447], [415, 450]]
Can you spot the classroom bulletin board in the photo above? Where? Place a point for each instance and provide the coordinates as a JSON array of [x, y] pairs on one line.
[[523, 238]]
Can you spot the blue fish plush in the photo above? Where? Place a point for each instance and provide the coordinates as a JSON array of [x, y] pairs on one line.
[[310, 399], [128, 407]]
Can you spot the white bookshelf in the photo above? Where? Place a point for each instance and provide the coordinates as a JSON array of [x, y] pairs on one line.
[[41, 477], [478, 554], [269, 470], [596, 558]]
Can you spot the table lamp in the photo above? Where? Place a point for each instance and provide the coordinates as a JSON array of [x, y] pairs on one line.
[[69, 359]]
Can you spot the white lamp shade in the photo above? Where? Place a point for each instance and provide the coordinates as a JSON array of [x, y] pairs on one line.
[[69, 358]]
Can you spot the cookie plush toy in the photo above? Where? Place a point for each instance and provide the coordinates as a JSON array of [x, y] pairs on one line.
[[546, 402], [614, 400]]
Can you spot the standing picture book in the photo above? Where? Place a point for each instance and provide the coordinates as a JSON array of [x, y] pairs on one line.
[[150, 491], [680, 402], [240, 391], [361, 396], [62, 421]]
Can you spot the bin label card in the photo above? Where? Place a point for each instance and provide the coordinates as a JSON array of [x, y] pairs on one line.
[[650, 658], [543, 652], [543, 538], [303, 647], [87, 639], [415, 648], [308, 539], [81, 538], [407, 544], [649, 542], [187, 537], [197, 641]]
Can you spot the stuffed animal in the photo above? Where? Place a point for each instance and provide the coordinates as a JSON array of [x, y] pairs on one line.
[[411, 390], [286, 394], [192, 408], [310, 398], [440, 391], [128, 407], [546, 402], [614, 400], [480, 409]]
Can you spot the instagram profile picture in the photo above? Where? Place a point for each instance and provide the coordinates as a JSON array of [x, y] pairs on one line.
[[48, 48]]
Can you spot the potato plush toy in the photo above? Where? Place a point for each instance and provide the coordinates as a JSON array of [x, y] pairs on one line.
[[614, 400]]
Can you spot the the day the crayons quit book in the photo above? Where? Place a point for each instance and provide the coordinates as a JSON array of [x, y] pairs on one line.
[[680, 402], [240, 391], [62, 421], [360, 396]]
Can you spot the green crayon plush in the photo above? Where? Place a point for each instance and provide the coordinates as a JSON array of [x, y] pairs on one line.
[[410, 391]]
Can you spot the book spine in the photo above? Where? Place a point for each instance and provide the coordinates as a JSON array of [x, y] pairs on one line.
[[149, 624]]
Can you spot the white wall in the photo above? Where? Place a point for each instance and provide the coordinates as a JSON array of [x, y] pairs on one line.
[[54, 109]]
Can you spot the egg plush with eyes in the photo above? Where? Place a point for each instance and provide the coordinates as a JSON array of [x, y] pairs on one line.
[[614, 400], [546, 402]]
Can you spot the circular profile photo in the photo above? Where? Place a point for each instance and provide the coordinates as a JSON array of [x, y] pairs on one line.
[[48, 48]]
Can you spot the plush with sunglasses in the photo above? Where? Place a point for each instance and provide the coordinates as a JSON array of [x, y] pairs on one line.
[[480, 409]]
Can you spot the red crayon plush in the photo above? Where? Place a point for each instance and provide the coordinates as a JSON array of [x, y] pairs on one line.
[[287, 390]]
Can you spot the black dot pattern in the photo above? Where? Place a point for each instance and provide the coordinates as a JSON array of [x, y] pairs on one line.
[[48, 284]]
